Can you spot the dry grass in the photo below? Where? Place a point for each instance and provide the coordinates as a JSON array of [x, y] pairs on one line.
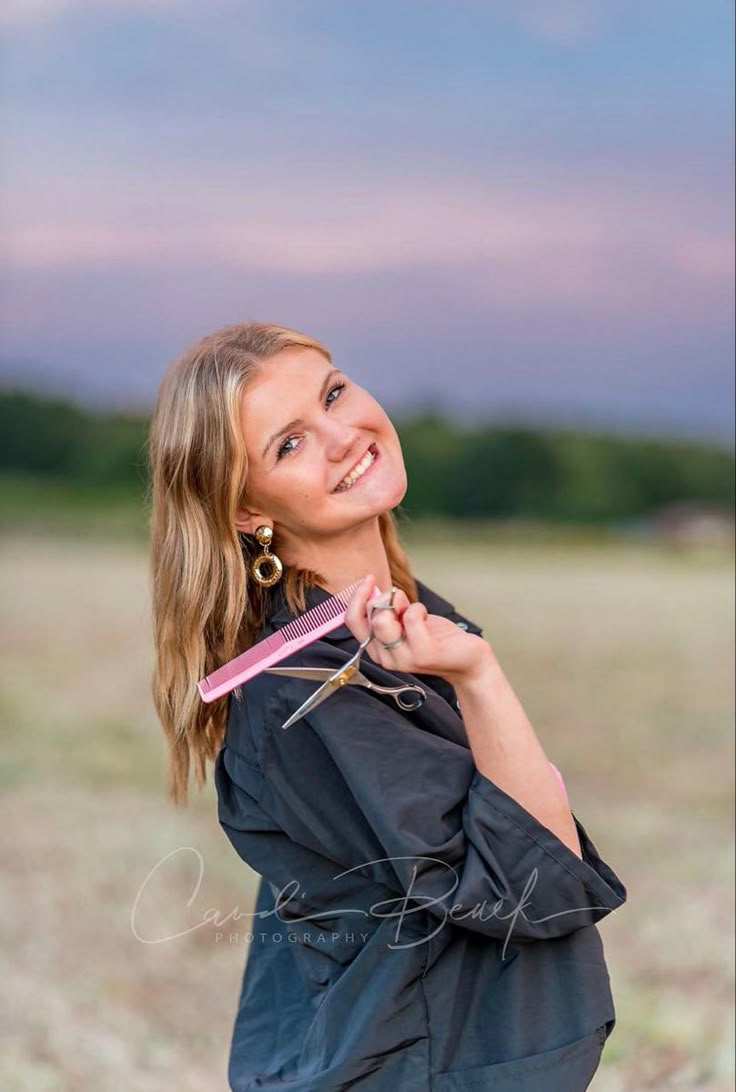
[[622, 657]]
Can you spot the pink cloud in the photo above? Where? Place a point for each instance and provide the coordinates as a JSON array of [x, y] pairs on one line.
[[607, 247], [39, 13], [707, 259]]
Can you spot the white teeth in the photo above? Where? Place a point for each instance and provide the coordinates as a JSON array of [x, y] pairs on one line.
[[359, 470]]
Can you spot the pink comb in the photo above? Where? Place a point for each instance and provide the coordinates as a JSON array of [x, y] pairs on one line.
[[290, 638]]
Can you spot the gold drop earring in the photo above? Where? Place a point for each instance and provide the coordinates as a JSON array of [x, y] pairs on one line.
[[264, 534]]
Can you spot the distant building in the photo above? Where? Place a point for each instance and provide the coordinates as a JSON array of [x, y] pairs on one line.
[[693, 523]]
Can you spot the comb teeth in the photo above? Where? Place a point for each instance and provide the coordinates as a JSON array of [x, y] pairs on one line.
[[246, 659], [290, 638], [323, 612]]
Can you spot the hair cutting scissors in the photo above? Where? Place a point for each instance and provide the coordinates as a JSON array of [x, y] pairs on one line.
[[407, 697]]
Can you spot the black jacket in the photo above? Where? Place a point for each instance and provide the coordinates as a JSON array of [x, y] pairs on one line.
[[416, 929]]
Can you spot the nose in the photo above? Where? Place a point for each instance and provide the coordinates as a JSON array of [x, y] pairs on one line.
[[342, 442]]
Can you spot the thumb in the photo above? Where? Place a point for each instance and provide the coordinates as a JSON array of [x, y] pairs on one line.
[[401, 602]]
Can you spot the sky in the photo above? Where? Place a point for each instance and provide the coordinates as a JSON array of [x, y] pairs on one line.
[[516, 210]]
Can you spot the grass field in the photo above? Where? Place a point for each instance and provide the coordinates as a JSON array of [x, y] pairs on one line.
[[622, 655]]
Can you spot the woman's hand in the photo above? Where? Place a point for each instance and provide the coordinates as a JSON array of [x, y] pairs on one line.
[[432, 645]]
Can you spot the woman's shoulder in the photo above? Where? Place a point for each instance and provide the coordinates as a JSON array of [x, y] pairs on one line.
[[249, 712], [257, 707], [437, 604]]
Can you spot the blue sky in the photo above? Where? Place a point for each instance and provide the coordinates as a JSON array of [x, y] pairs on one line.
[[511, 209]]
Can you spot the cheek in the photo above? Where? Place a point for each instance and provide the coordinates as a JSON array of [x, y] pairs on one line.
[[303, 482], [386, 427], [375, 416]]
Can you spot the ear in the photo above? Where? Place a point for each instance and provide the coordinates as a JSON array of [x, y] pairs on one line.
[[246, 520]]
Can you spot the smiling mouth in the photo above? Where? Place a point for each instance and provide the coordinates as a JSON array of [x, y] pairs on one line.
[[343, 487]]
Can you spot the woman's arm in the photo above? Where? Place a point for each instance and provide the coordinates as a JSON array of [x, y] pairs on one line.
[[503, 744], [375, 790], [507, 751]]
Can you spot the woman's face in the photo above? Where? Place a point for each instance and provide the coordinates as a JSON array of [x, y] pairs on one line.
[[306, 425]]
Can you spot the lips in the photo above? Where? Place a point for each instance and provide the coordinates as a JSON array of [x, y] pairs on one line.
[[372, 449]]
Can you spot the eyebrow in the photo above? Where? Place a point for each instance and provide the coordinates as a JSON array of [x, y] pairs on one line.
[[298, 420]]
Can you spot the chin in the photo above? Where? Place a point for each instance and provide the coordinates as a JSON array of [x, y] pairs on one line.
[[400, 491], [393, 497]]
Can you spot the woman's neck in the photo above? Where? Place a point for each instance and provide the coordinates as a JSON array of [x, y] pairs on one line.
[[342, 562]]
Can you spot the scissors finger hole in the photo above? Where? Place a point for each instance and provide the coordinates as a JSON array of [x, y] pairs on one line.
[[410, 701]]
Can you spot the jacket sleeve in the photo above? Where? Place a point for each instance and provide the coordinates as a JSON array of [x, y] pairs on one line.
[[359, 782]]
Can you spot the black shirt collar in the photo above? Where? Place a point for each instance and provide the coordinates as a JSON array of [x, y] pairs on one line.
[[278, 613]]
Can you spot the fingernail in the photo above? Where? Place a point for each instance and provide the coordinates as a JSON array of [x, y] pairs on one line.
[[376, 593]]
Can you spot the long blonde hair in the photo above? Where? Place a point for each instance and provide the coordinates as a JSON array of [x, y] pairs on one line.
[[206, 606]]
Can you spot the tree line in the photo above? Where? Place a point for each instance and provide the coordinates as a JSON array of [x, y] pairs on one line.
[[486, 471]]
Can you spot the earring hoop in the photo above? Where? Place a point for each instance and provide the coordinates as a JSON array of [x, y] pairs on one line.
[[264, 534]]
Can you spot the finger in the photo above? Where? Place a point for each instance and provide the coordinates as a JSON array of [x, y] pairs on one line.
[[392, 602], [390, 630], [416, 612], [400, 605], [356, 615], [414, 621], [401, 602], [386, 623], [416, 646]]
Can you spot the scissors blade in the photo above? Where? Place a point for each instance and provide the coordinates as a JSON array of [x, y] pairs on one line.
[[336, 679], [339, 677], [320, 674], [359, 679], [325, 691]]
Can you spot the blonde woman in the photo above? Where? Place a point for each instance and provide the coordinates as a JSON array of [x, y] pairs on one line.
[[426, 914]]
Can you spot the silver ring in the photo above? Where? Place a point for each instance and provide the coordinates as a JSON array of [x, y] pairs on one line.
[[393, 644]]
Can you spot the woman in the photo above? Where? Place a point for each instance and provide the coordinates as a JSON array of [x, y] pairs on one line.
[[425, 920]]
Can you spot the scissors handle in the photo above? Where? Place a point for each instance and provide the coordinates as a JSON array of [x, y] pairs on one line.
[[415, 697], [407, 697], [350, 673]]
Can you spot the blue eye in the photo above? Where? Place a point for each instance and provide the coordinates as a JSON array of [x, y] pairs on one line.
[[283, 451]]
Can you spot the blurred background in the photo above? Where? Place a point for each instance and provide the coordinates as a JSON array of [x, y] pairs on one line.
[[512, 222]]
